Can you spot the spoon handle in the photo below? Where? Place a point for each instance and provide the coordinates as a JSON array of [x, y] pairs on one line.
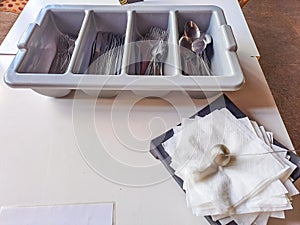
[[263, 153]]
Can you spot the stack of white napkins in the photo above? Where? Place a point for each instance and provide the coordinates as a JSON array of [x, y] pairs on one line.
[[251, 188]]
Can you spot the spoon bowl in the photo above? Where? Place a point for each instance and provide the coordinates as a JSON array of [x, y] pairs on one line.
[[191, 30], [185, 42], [198, 46]]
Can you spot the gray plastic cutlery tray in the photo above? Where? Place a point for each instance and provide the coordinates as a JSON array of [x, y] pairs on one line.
[[31, 67]]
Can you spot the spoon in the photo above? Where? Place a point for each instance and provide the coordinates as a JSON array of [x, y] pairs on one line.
[[191, 30], [159, 53], [185, 42], [188, 68], [199, 44], [221, 155]]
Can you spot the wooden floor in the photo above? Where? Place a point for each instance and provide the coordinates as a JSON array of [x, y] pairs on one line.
[[275, 26], [7, 19]]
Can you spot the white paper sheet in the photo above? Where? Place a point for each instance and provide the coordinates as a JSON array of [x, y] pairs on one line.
[[77, 214]]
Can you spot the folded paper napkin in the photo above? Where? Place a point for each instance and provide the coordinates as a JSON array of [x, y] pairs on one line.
[[252, 187]]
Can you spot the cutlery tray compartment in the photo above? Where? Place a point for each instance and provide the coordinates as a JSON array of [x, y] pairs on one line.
[[106, 22], [58, 52], [42, 42], [140, 49]]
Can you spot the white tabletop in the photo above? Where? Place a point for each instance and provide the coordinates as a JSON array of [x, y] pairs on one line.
[[82, 150]]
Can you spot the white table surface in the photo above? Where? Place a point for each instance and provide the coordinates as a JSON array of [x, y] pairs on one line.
[[83, 150]]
